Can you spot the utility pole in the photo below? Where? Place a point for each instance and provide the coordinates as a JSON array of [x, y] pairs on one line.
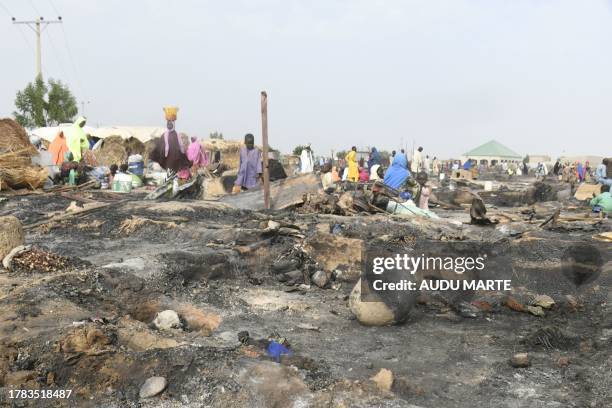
[[38, 26], [264, 137], [83, 107]]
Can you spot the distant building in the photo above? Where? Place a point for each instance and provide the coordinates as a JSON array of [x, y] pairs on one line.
[[534, 159], [492, 153]]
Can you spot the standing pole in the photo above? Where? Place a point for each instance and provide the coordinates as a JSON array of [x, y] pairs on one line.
[[38, 27], [38, 51], [264, 137]]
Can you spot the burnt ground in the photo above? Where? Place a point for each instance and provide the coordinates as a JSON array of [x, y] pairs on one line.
[[88, 327]]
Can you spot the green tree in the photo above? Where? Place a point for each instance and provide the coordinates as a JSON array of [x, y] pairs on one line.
[[298, 149], [61, 105], [40, 104], [216, 135]]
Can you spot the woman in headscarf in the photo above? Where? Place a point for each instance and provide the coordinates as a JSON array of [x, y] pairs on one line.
[[580, 172], [364, 175], [196, 154], [58, 148], [398, 172], [77, 139], [353, 169], [334, 174], [170, 152], [374, 159]]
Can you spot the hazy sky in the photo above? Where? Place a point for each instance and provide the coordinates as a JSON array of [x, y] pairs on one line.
[[447, 74]]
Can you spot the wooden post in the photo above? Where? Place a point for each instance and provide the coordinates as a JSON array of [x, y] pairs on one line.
[[264, 137]]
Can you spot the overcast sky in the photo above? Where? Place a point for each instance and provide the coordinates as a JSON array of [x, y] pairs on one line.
[[447, 74]]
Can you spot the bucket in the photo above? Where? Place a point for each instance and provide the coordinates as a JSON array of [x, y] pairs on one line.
[[136, 168], [120, 186], [170, 112]]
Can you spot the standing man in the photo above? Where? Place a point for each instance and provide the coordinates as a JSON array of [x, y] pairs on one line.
[[306, 160], [417, 160], [250, 165]]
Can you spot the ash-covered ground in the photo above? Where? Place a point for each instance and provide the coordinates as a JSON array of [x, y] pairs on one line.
[[88, 325]]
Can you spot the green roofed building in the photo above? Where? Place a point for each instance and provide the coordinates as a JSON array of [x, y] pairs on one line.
[[492, 153]]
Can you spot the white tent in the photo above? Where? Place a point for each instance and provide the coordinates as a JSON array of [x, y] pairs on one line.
[[142, 133], [49, 133]]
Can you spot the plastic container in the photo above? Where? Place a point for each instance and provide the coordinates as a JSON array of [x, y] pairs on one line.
[[122, 183], [136, 167], [170, 112]]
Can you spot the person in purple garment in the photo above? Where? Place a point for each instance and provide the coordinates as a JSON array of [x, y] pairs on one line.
[[250, 165]]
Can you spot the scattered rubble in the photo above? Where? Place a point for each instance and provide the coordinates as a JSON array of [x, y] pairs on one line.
[[206, 303]]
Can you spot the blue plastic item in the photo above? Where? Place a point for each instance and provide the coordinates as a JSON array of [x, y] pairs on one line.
[[136, 168], [405, 195], [276, 350]]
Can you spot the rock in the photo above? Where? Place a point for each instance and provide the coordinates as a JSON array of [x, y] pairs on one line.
[[152, 387], [273, 225], [544, 301], [370, 313], [166, 320], [383, 379], [520, 360], [11, 234], [536, 311], [320, 278]]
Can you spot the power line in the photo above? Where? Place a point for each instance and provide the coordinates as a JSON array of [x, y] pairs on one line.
[[72, 63], [57, 56], [25, 38], [38, 26], [34, 8], [54, 8]]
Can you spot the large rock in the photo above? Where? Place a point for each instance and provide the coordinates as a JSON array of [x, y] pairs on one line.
[[11, 234], [152, 387], [335, 253], [380, 308], [370, 313], [166, 320]]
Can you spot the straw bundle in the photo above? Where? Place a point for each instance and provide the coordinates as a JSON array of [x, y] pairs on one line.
[[111, 151], [230, 151], [134, 146], [32, 177], [13, 137], [16, 151]]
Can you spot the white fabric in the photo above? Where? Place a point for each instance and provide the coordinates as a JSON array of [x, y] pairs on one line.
[[306, 161]]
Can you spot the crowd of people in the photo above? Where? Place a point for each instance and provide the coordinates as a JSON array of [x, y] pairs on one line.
[[71, 152]]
